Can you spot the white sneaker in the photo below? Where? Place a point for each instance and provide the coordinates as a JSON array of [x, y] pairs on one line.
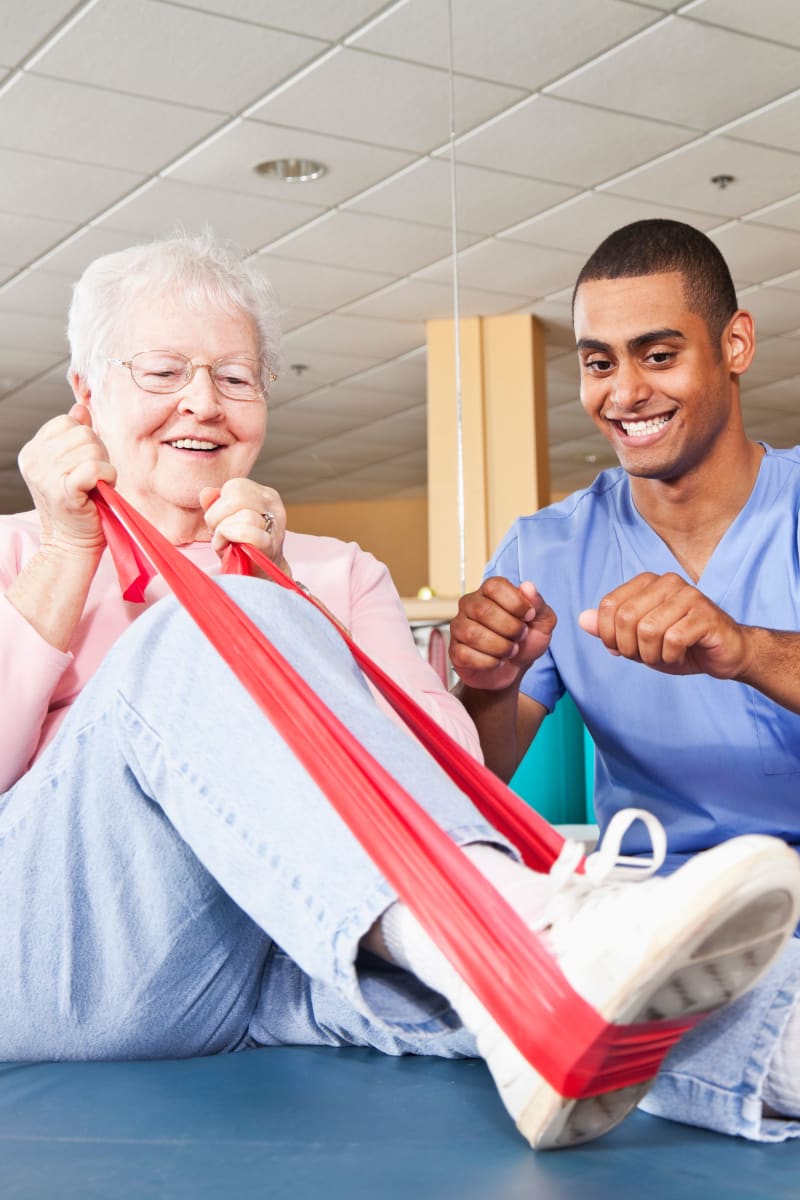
[[664, 948]]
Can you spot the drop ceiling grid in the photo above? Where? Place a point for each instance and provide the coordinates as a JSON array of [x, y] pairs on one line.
[[65, 181]]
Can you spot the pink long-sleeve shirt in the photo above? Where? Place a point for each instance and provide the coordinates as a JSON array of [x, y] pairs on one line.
[[38, 683]]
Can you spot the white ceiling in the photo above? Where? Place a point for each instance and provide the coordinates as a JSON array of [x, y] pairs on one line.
[[121, 118]]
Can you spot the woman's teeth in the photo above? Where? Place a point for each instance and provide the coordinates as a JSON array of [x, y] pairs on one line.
[[643, 428], [192, 444]]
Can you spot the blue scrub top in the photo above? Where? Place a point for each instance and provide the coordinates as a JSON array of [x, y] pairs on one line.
[[711, 758]]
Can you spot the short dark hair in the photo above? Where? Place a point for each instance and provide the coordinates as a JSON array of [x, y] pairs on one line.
[[657, 246]]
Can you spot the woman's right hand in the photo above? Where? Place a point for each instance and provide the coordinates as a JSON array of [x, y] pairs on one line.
[[60, 465]]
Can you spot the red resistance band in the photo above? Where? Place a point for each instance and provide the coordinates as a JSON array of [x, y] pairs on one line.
[[506, 965]]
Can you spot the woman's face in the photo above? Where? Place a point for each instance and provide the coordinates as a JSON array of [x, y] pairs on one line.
[[167, 447]]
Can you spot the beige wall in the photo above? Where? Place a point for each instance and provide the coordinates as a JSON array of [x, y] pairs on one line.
[[395, 531]]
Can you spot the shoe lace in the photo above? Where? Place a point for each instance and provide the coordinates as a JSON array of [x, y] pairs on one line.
[[607, 867]]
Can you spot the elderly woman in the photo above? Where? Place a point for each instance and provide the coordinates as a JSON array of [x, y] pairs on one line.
[[172, 882]]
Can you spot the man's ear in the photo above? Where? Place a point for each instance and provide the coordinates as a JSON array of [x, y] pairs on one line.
[[739, 342]]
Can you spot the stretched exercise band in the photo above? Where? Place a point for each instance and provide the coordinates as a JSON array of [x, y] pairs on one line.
[[507, 966]]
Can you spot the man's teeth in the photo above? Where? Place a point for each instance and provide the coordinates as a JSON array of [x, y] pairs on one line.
[[193, 444], [642, 428]]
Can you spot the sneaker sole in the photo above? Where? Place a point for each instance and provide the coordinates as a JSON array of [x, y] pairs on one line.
[[726, 929]]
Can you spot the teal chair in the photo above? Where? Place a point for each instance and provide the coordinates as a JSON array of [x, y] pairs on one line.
[[556, 776]]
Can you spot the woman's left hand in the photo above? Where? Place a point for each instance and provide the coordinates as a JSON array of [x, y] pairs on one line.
[[246, 512]]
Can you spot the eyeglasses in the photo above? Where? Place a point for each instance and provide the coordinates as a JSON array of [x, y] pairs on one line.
[[163, 371]]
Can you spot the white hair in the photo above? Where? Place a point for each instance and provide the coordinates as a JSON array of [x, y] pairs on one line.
[[197, 270]]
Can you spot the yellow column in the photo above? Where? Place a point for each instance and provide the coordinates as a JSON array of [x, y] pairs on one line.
[[504, 438]]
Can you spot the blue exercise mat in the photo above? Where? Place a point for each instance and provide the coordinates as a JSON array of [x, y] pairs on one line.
[[309, 1123]]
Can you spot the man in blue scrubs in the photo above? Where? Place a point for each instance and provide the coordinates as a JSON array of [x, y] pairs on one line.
[[665, 598]]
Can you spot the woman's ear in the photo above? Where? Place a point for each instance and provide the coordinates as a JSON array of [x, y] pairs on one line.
[[80, 389]]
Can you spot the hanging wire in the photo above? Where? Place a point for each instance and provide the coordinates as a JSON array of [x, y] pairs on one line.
[[456, 313]]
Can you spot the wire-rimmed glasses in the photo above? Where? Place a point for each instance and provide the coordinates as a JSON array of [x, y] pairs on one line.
[[164, 371]]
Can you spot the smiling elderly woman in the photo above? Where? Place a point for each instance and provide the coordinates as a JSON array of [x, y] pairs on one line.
[[172, 881]]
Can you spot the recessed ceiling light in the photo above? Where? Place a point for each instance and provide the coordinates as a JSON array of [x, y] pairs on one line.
[[291, 170]]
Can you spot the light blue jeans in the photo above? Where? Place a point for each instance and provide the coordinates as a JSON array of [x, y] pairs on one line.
[[172, 882]]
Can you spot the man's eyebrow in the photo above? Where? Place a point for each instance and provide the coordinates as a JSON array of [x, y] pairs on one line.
[[636, 343], [655, 335]]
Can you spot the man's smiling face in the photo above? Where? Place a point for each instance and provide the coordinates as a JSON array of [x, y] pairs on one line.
[[651, 378]]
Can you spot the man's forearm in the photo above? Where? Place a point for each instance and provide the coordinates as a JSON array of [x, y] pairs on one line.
[[495, 715], [774, 665]]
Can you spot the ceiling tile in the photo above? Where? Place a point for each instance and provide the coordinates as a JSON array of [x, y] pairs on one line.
[[23, 237], [564, 367], [335, 489], [778, 126], [142, 48], [415, 298], [359, 240], [383, 101], [679, 71], [775, 359], [774, 397], [279, 443], [58, 118], [585, 454], [776, 310], [303, 418], [51, 187], [581, 225], [47, 395], [341, 334], [549, 138], [756, 252], [24, 26], [320, 369], [398, 433], [317, 18], [779, 20], [72, 258], [785, 215], [359, 405], [38, 292], [565, 422], [17, 366], [560, 392], [762, 176], [318, 284], [782, 433], [407, 375], [32, 331], [402, 471], [500, 263], [334, 454], [486, 201], [168, 205], [295, 317], [790, 281], [494, 41], [228, 161], [383, 272]]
